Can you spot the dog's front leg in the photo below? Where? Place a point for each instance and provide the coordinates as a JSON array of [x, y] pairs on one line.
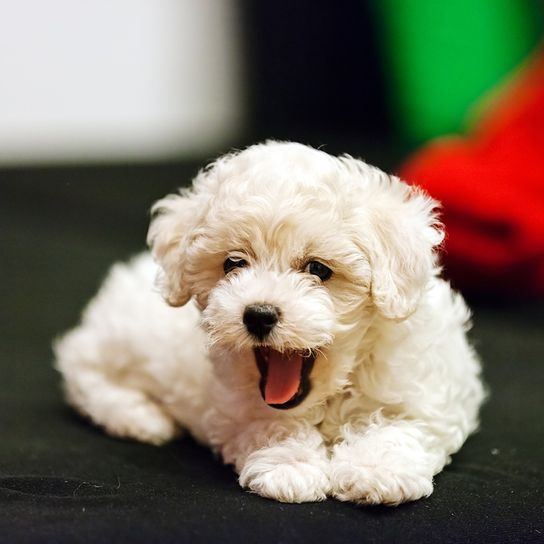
[[385, 462], [280, 459]]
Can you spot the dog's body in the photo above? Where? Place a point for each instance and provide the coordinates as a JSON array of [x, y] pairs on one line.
[[330, 360]]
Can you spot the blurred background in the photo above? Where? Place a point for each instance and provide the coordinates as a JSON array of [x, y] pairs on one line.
[[106, 106], [140, 80]]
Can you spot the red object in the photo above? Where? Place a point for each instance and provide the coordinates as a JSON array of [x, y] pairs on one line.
[[491, 185]]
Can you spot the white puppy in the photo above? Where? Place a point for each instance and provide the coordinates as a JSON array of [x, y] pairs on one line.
[[330, 360]]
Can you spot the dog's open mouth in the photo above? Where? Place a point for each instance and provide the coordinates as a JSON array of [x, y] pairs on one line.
[[285, 377]]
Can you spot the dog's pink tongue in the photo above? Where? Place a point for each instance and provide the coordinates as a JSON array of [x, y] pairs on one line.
[[283, 377]]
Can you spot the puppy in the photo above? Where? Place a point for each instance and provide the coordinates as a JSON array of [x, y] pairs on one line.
[[308, 337]]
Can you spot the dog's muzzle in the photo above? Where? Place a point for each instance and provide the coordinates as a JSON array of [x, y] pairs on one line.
[[285, 377]]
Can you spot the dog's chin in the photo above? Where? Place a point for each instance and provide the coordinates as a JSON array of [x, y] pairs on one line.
[[285, 376]]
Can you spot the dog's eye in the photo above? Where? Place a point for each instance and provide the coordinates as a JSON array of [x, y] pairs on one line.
[[318, 269], [233, 262]]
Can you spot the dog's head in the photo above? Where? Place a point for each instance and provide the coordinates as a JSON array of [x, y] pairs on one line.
[[291, 253]]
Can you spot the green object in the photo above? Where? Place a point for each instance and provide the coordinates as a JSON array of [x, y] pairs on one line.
[[442, 55]]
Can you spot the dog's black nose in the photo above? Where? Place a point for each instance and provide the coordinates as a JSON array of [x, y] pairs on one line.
[[260, 319]]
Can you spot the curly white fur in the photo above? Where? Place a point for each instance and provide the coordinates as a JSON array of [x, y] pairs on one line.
[[395, 387]]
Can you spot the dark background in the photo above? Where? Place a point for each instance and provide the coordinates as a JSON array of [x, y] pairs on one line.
[[62, 480], [315, 73]]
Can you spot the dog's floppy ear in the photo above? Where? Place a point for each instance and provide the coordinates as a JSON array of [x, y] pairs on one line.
[[173, 223], [176, 222], [403, 234]]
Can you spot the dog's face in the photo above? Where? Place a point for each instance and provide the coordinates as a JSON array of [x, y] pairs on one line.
[[291, 253]]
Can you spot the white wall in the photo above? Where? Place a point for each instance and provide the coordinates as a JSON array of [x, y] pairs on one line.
[[117, 79]]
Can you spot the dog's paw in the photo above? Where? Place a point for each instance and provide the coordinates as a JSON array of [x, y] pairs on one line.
[[295, 481], [143, 421], [367, 484], [387, 464]]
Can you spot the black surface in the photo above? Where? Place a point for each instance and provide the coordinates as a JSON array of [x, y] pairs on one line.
[[62, 480]]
